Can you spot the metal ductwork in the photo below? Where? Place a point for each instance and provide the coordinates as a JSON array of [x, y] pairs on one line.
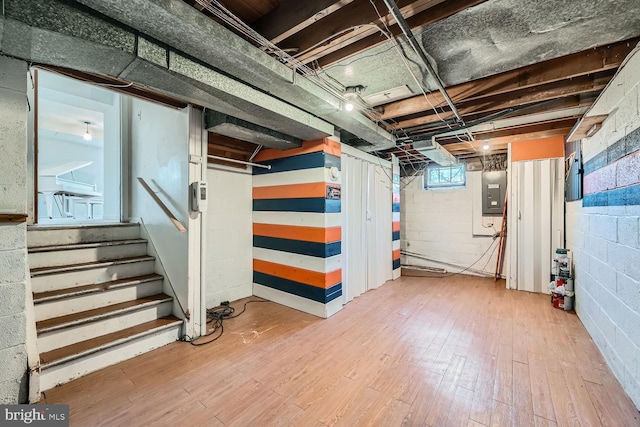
[[175, 23], [234, 127], [435, 152]]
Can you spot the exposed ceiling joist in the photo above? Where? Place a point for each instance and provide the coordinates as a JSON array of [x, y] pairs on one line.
[[293, 16], [416, 22], [496, 139], [570, 66], [327, 35], [224, 146], [466, 38], [530, 95]]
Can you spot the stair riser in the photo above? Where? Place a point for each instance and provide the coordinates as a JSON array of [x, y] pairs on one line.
[[64, 236], [52, 282], [63, 337], [62, 307], [62, 257], [66, 372]]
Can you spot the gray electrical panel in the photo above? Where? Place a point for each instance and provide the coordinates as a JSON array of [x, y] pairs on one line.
[[494, 189]]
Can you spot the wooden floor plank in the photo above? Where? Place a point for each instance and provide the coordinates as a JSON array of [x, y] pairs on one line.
[[586, 412], [503, 386], [540, 392], [522, 399], [502, 415], [457, 351]]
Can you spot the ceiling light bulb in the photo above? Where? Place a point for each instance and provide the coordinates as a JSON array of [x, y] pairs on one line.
[[485, 147], [87, 135], [348, 106]]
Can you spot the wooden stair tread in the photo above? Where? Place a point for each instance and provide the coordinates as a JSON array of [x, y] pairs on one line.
[[93, 288], [88, 265], [99, 313], [70, 246], [40, 227], [77, 350]]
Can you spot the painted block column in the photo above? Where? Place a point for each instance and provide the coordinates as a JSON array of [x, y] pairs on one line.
[[395, 175], [297, 228], [13, 236]]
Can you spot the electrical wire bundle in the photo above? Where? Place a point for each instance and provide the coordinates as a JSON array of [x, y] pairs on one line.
[[215, 317]]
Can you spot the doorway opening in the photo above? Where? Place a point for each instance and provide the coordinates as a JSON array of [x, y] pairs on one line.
[[78, 168]]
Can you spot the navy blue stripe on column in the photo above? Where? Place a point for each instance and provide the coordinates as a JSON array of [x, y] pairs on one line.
[[395, 235], [300, 289], [396, 264], [320, 250], [316, 159], [315, 204], [396, 207], [302, 161]]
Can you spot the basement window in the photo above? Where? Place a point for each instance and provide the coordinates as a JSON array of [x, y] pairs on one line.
[[445, 177]]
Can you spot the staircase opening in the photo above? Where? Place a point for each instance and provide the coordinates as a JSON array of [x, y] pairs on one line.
[[77, 146]]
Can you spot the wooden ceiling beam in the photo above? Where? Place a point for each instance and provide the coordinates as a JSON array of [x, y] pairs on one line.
[[566, 103], [570, 66], [416, 22], [483, 137], [530, 95], [292, 16], [525, 133], [310, 42]]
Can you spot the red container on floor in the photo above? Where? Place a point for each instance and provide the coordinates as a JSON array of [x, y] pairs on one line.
[[558, 301]]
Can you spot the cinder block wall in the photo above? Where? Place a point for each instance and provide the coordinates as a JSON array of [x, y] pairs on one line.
[[13, 237], [603, 228]]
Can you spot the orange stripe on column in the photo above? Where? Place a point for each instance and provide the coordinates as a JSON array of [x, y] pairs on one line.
[[332, 147], [396, 226], [292, 191], [313, 278], [294, 232], [272, 153], [396, 254], [327, 145]]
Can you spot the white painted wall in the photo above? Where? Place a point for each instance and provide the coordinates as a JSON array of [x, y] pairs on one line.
[[159, 141], [229, 259], [439, 225], [112, 155], [606, 245]]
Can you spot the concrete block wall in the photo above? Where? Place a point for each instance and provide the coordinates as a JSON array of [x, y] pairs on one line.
[[603, 230], [439, 224], [13, 237], [297, 227]]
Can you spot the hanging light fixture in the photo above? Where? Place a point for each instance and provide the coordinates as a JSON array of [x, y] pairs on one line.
[[87, 135], [485, 147], [351, 94]]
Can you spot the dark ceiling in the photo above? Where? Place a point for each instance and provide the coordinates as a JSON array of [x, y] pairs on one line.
[[515, 70]]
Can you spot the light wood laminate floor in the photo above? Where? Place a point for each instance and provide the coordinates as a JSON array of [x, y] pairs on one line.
[[461, 351]]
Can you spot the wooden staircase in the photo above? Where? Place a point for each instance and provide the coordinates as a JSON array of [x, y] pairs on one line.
[[97, 299]]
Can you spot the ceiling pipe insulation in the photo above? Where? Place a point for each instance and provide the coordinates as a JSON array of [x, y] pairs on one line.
[[395, 12]]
